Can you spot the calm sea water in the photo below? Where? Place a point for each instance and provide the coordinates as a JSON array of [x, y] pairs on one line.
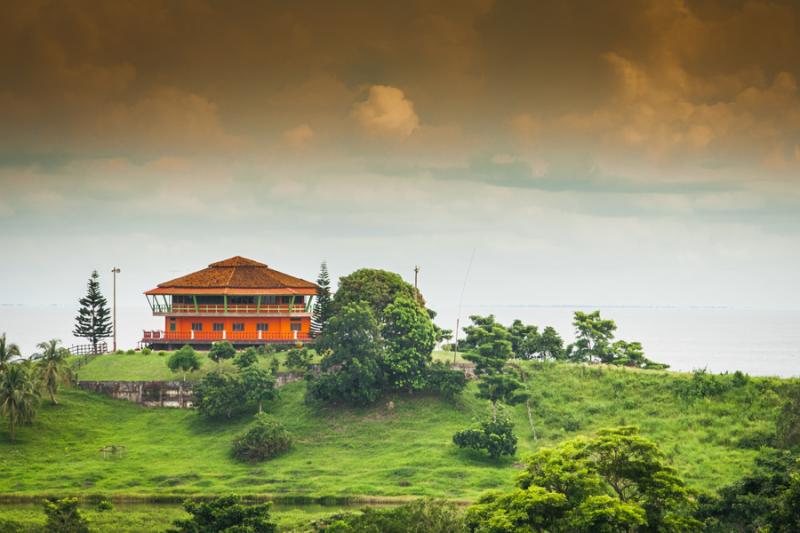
[[759, 342]]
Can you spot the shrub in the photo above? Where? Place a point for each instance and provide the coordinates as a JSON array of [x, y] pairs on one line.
[[162, 353], [227, 513], [298, 359], [221, 350], [266, 439], [265, 349], [146, 351], [701, 385], [119, 352], [420, 516], [496, 437], [105, 505], [246, 358], [444, 381], [219, 394], [184, 360], [63, 516], [131, 352]]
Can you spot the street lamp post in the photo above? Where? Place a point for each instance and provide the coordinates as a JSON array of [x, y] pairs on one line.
[[114, 271]]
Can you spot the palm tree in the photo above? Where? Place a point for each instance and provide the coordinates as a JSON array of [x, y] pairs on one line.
[[18, 396], [7, 351], [51, 363]]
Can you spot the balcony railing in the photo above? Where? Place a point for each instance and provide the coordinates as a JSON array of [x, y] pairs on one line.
[[231, 309], [255, 336]]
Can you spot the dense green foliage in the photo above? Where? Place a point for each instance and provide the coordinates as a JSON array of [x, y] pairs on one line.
[[52, 366], [184, 360], [493, 435], [409, 339], [420, 516], [614, 481], [323, 304], [264, 439], [352, 367], [225, 393], [245, 358], [19, 395], [227, 514], [63, 516], [221, 350], [299, 359], [765, 499], [444, 381], [378, 288], [7, 351], [93, 322], [788, 427]]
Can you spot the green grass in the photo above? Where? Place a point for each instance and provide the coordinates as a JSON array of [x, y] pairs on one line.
[[153, 367], [377, 452], [142, 518]]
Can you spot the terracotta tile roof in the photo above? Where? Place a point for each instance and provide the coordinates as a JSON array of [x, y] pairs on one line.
[[241, 273]]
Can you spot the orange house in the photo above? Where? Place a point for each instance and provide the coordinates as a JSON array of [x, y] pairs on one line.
[[239, 300]]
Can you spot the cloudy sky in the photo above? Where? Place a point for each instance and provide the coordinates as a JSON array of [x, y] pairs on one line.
[[619, 152]]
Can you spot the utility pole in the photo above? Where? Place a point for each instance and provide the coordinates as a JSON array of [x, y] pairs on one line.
[[114, 271], [416, 275]]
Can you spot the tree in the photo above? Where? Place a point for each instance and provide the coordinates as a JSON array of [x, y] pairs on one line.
[[764, 499], [265, 439], [52, 366], [524, 339], [323, 305], [184, 360], [551, 345], [593, 337], [64, 516], [490, 350], [378, 288], [7, 351], [616, 481], [352, 368], [788, 423], [443, 380], [94, 319], [19, 396], [221, 350], [220, 394], [409, 336], [225, 514], [299, 359], [245, 358], [494, 435], [258, 385]]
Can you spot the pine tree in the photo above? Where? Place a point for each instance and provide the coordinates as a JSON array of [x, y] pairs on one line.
[[94, 319], [322, 307]]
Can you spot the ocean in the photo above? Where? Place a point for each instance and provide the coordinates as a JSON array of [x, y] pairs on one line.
[[758, 342]]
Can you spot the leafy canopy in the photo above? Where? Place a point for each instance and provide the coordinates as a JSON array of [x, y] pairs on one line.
[[409, 339], [94, 319], [227, 514]]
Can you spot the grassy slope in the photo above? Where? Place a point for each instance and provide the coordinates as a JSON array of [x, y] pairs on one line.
[[405, 451], [136, 366]]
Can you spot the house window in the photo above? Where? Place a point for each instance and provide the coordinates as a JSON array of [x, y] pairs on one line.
[[262, 326], [296, 325], [172, 326], [238, 326], [197, 326], [219, 326]]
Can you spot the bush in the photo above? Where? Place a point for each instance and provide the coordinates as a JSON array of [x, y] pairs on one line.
[[444, 381], [105, 505], [162, 353], [496, 437], [131, 352], [266, 439], [227, 393], [63, 516], [227, 513], [420, 516], [221, 350], [298, 359], [246, 358], [146, 351], [702, 385], [265, 349]]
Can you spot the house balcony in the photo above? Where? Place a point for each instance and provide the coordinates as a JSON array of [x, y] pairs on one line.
[[205, 337], [229, 310]]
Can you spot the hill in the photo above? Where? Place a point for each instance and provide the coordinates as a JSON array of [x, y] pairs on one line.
[[710, 433]]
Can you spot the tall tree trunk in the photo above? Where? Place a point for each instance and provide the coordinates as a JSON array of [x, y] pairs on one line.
[[52, 396], [260, 406], [530, 418]]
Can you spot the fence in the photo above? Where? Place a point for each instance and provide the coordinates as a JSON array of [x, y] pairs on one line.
[[88, 349]]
